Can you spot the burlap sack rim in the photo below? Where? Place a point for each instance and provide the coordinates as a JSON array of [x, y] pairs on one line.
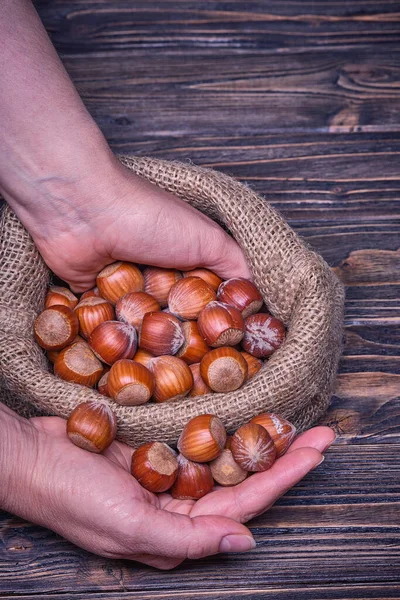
[[164, 413]]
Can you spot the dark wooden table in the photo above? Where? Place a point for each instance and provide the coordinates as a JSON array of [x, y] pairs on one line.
[[300, 99]]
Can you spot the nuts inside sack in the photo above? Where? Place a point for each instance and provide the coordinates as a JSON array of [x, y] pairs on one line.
[[158, 335]]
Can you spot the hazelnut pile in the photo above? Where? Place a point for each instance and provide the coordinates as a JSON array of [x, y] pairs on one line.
[[158, 333], [205, 454]]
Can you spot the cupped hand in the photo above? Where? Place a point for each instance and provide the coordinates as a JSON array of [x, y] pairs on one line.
[[111, 215], [93, 501]]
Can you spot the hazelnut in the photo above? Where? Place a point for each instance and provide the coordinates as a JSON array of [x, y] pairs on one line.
[[208, 276], [91, 312], [102, 386], [118, 279], [202, 439], [155, 466], [173, 378], [223, 369], [221, 324], [92, 426], [252, 448], [194, 347], [194, 480], [143, 357], [78, 364], [281, 431], [132, 307], [225, 469], [263, 334], [158, 282], [56, 327], [242, 294], [200, 388], [253, 364], [189, 296], [60, 295], [130, 383], [160, 334], [94, 292], [112, 340]]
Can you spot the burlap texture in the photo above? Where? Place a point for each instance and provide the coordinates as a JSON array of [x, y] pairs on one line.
[[297, 286]]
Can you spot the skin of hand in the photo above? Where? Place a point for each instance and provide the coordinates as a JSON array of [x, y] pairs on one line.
[[93, 501], [117, 215], [84, 209]]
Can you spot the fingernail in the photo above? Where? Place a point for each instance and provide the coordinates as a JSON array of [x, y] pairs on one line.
[[237, 543], [332, 442], [320, 462]]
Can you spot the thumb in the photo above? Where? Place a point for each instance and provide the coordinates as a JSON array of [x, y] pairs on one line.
[[179, 536], [79, 286], [226, 258]]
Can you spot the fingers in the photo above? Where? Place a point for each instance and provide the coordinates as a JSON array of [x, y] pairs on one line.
[[79, 288], [261, 490], [226, 258], [165, 534], [318, 437]]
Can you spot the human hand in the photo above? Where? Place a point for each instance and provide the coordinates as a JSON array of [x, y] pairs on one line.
[[93, 501], [84, 209], [112, 214]]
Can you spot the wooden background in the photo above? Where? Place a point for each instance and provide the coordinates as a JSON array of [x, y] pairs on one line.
[[301, 100]]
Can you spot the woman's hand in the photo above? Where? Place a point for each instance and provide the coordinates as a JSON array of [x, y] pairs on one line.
[[111, 215], [82, 208], [93, 501]]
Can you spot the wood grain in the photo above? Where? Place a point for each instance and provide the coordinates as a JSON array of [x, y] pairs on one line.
[[176, 93], [87, 26], [300, 99], [332, 592]]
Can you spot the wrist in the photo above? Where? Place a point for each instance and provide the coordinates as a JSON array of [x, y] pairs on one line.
[[55, 190]]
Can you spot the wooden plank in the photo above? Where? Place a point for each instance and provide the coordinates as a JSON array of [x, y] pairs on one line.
[[370, 348], [301, 100], [338, 525], [365, 408], [172, 93], [277, 167], [281, 559], [86, 26], [331, 592]]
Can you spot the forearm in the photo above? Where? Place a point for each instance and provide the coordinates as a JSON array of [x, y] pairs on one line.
[[47, 136]]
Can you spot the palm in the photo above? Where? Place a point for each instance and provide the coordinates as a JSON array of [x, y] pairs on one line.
[[105, 503]]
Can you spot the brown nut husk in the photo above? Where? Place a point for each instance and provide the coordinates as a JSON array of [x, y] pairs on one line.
[[155, 466], [202, 439], [194, 480], [252, 448], [92, 426], [225, 470]]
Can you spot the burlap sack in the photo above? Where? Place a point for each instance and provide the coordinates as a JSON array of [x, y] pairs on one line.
[[297, 285]]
